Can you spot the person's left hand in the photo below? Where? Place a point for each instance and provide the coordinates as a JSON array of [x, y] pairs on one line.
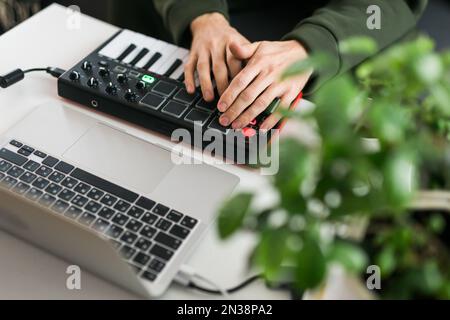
[[257, 85]]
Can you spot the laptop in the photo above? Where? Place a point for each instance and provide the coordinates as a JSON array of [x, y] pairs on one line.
[[104, 199]]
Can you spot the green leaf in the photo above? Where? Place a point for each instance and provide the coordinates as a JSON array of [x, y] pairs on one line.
[[311, 266], [386, 260], [350, 256], [316, 62], [271, 252], [358, 45], [232, 214]]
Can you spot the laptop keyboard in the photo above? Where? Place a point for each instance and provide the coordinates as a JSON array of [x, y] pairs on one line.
[[147, 234]]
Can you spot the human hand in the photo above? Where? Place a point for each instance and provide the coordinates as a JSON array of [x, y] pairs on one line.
[[258, 84], [211, 37]]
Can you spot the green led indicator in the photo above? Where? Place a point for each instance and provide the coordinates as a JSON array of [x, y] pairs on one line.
[[147, 78]]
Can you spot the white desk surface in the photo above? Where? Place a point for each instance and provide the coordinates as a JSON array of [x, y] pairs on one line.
[[29, 273]]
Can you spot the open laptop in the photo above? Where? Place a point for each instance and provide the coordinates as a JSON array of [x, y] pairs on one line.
[[104, 199]]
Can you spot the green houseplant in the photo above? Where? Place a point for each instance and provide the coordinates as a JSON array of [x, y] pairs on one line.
[[382, 139]]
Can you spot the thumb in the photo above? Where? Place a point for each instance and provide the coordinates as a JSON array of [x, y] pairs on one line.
[[243, 51]]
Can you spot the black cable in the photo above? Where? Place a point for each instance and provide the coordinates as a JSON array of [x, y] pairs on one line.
[[245, 283], [18, 74]]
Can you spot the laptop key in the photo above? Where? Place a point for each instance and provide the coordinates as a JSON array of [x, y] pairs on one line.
[[53, 189], [12, 157], [28, 177], [106, 213], [179, 232], [149, 218], [80, 200], [128, 237], [24, 152], [143, 244], [56, 177], [120, 219], [135, 212], [2, 175], [44, 171], [8, 182], [69, 182], [95, 194], [46, 200], [141, 258], [116, 244], [93, 206], [82, 188], [108, 200], [160, 209], [5, 166], [21, 188], [188, 222], [149, 276], [33, 194], [40, 154], [156, 265], [114, 231], [31, 165], [134, 225], [148, 232], [60, 206], [16, 143], [100, 225], [40, 183], [28, 149], [127, 252], [167, 240], [164, 254], [163, 224], [122, 206], [145, 203], [66, 195], [15, 172], [64, 167], [73, 212], [50, 161], [174, 216], [86, 218]]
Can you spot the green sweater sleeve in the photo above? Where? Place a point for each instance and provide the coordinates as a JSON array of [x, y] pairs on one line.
[[178, 14], [342, 19]]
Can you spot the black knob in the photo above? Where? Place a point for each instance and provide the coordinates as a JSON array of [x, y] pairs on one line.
[[122, 78], [111, 88], [140, 85], [74, 76], [103, 72], [86, 66], [130, 96], [92, 82]]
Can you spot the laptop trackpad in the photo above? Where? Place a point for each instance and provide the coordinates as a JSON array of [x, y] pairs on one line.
[[121, 158]]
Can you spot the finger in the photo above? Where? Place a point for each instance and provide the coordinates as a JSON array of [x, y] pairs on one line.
[[286, 101], [189, 71], [260, 104], [243, 51], [237, 85], [234, 65], [204, 74], [220, 71], [246, 99]]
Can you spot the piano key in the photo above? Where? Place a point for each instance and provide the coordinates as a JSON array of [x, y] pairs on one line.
[[139, 56], [155, 57], [179, 53], [177, 63], [154, 46], [142, 42], [126, 52], [179, 73], [166, 53], [118, 44]]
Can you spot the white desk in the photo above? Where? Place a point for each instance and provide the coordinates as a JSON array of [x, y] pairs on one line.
[[29, 273]]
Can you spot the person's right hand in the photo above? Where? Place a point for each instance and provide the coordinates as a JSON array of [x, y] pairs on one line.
[[211, 36]]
